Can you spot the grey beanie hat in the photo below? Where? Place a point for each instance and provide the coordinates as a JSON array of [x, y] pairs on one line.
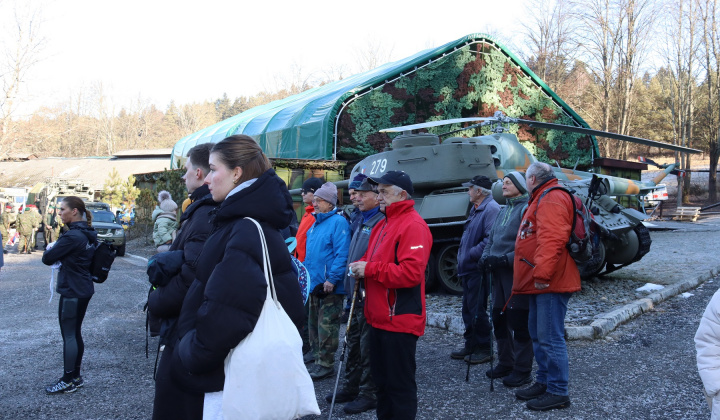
[[328, 192], [518, 178]]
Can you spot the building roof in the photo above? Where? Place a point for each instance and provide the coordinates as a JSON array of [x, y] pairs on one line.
[[306, 125], [95, 170]]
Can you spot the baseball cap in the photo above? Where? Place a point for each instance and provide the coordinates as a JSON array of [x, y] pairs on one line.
[[398, 178], [312, 184], [479, 181], [366, 185], [357, 181]]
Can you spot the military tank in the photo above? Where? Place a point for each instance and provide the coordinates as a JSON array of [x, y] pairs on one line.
[[438, 166]]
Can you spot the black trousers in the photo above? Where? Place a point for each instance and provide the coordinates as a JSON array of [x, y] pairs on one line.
[[71, 313], [474, 310], [392, 363], [172, 402]]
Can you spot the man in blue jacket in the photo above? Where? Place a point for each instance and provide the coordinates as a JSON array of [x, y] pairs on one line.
[[475, 290]]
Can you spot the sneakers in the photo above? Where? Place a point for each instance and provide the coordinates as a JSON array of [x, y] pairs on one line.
[[341, 397], [517, 379], [498, 371], [61, 387], [537, 389], [481, 355], [548, 401], [78, 382], [461, 353], [318, 372], [360, 405]]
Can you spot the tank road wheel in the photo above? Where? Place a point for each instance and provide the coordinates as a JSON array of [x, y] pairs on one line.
[[431, 273], [447, 269]]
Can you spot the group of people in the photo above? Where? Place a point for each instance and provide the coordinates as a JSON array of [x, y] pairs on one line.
[[518, 255], [373, 261], [26, 224]]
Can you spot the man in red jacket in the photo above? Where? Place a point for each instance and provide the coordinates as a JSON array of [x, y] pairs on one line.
[[546, 273], [394, 272]]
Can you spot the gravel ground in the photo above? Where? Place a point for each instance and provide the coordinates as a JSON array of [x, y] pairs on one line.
[[644, 369]]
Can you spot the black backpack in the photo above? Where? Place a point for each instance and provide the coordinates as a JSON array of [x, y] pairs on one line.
[[102, 261], [584, 237]]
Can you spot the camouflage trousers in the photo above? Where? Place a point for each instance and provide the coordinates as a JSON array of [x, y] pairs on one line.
[[358, 379], [324, 327], [25, 242], [5, 236], [49, 236]]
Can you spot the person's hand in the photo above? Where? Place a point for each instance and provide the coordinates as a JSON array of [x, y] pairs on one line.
[[541, 286], [328, 287], [358, 269], [493, 261]]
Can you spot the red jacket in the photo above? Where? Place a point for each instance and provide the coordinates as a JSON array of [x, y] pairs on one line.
[[540, 252], [398, 251], [301, 237]]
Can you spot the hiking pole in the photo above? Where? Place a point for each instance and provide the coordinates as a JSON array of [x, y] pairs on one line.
[[342, 355], [488, 273]]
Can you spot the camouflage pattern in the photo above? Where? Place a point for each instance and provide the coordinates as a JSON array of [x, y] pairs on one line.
[[473, 81], [50, 231], [5, 226], [25, 225], [324, 327], [37, 220], [358, 379]]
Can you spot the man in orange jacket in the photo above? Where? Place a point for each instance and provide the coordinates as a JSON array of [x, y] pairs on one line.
[[545, 271]]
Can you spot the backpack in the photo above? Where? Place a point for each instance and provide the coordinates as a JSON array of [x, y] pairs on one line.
[[102, 261], [584, 238]]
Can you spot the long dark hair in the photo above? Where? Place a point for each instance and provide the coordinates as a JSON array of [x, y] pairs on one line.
[[241, 150], [77, 203]]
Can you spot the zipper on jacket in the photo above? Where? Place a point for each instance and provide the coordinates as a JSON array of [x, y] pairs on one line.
[[527, 262]]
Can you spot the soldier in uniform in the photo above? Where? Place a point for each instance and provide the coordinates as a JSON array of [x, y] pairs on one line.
[[49, 226], [37, 221], [5, 226], [25, 226]]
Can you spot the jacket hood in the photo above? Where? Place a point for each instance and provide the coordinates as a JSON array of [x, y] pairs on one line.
[[86, 230], [266, 200]]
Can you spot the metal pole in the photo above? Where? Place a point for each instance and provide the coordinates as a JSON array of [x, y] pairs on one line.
[[342, 356]]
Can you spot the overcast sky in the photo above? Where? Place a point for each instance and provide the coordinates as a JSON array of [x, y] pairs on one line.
[[192, 51]]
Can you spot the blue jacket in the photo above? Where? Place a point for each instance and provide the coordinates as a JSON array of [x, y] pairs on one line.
[[475, 235], [326, 251]]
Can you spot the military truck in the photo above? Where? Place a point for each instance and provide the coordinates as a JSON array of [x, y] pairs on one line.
[[53, 190]]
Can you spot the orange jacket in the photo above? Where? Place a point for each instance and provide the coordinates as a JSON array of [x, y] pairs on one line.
[[540, 252], [301, 237]]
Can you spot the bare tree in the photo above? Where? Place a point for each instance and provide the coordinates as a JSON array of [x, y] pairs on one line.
[[16, 60], [374, 54], [711, 63]]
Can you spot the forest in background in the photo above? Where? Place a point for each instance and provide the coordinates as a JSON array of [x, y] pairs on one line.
[[644, 68]]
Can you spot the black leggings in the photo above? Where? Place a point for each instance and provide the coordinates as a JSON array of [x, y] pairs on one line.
[[71, 313]]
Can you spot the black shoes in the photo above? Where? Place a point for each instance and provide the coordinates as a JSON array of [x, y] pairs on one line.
[[318, 372], [481, 355], [341, 397], [461, 353], [517, 379], [537, 389], [548, 401], [498, 371], [308, 357], [360, 405]]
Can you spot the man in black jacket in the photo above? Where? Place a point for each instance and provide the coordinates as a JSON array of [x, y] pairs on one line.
[[165, 302]]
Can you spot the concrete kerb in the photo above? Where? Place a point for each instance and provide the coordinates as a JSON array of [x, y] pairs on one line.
[[604, 323]]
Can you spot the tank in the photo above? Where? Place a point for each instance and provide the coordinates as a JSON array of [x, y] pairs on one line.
[[55, 189], [439, 166]]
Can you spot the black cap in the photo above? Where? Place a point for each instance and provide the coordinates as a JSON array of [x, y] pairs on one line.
[[366, 185], [398, 178], [312, 184], [479, 181]]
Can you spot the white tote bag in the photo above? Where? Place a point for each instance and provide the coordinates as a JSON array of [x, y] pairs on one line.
[[265, 375]]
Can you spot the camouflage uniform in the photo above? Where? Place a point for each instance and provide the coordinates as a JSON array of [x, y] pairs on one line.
[[49, 229], [37, 220], [25, 226], [4, 227], [324, 327]]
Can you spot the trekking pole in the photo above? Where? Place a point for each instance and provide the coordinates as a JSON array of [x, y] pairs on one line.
[[342, 356], [488, 273]]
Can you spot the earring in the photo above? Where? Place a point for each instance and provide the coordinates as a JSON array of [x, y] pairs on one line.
[[235, 181]]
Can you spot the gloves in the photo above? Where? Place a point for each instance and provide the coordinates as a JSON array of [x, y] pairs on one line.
[[492, 262]]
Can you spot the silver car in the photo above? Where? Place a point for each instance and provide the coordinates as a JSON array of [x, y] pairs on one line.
[[109, 230]]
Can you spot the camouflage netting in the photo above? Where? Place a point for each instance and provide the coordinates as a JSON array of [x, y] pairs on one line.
[[474, 81]]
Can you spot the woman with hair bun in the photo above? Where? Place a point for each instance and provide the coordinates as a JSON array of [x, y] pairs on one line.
[[224, 301], [74, 251]]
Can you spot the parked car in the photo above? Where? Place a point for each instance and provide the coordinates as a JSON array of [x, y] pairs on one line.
[[96, 205], [109, 230]]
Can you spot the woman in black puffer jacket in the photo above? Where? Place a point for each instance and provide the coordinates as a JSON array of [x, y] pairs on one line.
[[74, 249], [225, 300]]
